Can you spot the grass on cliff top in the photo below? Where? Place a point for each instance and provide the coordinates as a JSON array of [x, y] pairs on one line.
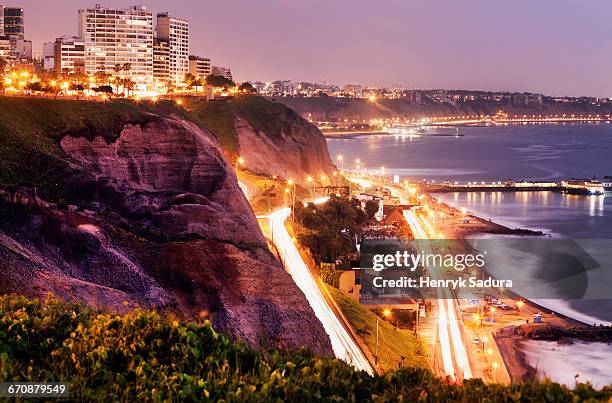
[[220, 117], [393, 343], [143, 356]]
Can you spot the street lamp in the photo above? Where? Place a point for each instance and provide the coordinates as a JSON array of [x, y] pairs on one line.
[[386, 313], [239, 161], [311, 181], [495, 365], [291, 183]]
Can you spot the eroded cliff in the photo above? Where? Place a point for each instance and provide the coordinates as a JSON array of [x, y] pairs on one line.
[[271, 138], [148, 214]]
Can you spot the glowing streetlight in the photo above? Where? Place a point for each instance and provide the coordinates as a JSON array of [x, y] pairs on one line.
[[239, 161], [310, 180], [291, 183]]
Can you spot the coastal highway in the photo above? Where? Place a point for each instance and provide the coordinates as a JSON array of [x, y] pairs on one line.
[[345, 348], [455, 361], [449, 335]]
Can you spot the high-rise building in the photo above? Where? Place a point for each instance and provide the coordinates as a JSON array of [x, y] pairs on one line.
[[20, 48], [12, 29], [13, 21], [223, 72], [69, 55], [161, 66], [176, 32], [49, 56], [5, 47], [199, 66], [1, 19], [119, 42]]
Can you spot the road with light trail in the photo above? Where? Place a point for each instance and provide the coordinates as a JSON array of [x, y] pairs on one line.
[[455, 361], [345, 348], [447, 318]]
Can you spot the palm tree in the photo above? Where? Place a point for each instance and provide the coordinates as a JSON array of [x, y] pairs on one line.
[[189, 80], [129, 85], [118, 68]]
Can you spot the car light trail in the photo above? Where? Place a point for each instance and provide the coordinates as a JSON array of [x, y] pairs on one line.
[[343, 345], [446, 314], [447, 358]]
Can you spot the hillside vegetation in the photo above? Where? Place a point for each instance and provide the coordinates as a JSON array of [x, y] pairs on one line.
[[219, 117], [143, 356], [394, 342]]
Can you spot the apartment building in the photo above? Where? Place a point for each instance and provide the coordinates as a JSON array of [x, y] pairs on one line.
[[175, 31], [49, 55], [12, 24], [69, 55], [119, 37], [161, 64], [222, 71], [199, 66], [5, 47]]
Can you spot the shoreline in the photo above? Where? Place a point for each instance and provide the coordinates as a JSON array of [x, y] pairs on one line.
[[508, 339], [477, 225], [353, 134]]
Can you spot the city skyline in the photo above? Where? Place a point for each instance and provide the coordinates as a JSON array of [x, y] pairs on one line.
[[433, 45]]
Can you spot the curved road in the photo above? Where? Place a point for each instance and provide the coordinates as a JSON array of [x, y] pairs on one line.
[[345, 348]]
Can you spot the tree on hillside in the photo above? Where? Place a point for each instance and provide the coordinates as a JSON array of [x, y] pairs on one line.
[[107, 89], [219, 81], [102, 78], [129, 85], [371, 208], [2, 71], [193, 82], [34, 87], [247, 87]]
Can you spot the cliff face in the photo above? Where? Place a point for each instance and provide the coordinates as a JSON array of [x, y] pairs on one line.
[[153, 217], [298, 151], [271, 138]]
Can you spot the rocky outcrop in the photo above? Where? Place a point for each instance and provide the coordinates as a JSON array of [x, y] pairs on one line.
[[155, 218]]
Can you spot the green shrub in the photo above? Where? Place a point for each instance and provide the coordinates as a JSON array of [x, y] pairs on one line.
[[331, 277], [143, 356]]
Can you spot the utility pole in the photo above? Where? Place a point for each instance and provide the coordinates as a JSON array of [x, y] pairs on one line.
[[376, 357], [417, 320], [293, 204]]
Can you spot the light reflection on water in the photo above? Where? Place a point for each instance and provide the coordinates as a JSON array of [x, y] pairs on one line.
[[567, 216]]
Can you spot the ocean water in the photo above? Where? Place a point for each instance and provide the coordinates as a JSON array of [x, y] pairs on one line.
[[567, 364], [530, 152]]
